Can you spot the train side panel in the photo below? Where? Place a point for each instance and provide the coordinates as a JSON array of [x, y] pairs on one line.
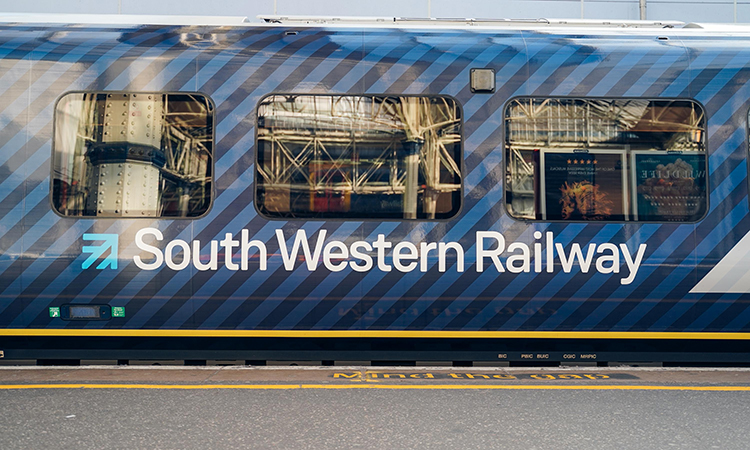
[[43, 254]]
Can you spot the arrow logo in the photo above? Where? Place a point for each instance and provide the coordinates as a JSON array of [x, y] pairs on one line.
[[97, 251]]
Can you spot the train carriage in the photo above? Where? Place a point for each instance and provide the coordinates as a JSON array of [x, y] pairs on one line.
[[374, 189]]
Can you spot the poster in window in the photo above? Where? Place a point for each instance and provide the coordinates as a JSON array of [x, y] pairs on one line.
[[669, 186], [584, 186]]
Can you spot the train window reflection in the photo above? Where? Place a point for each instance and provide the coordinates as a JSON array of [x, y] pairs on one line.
[[132, 155], [358, 157], [605, 160]]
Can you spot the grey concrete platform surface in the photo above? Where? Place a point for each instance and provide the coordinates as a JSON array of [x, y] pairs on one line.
[[363, 407]]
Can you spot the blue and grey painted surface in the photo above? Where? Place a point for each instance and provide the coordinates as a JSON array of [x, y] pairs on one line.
[[42, 254]]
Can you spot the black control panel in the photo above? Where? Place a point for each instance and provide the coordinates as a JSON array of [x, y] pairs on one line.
[[85, 312]]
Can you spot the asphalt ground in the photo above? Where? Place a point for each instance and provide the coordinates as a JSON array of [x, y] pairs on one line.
[[364, 407]]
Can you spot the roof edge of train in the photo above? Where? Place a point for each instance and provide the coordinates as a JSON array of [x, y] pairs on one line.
[[361, 21]]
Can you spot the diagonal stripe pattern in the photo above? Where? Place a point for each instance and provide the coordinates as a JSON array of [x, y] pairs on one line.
[[41, 253]]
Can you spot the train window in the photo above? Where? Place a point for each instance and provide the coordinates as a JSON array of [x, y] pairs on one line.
[[577, 159], [132, 155], [358, 157]]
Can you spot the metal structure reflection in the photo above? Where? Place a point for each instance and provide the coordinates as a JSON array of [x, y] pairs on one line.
[[341, 154]]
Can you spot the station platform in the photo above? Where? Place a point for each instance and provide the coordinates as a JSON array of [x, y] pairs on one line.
[[373, 407], [354, 377]]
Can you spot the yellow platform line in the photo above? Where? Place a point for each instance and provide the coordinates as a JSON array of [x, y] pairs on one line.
[[372, 334], [377, 386]]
